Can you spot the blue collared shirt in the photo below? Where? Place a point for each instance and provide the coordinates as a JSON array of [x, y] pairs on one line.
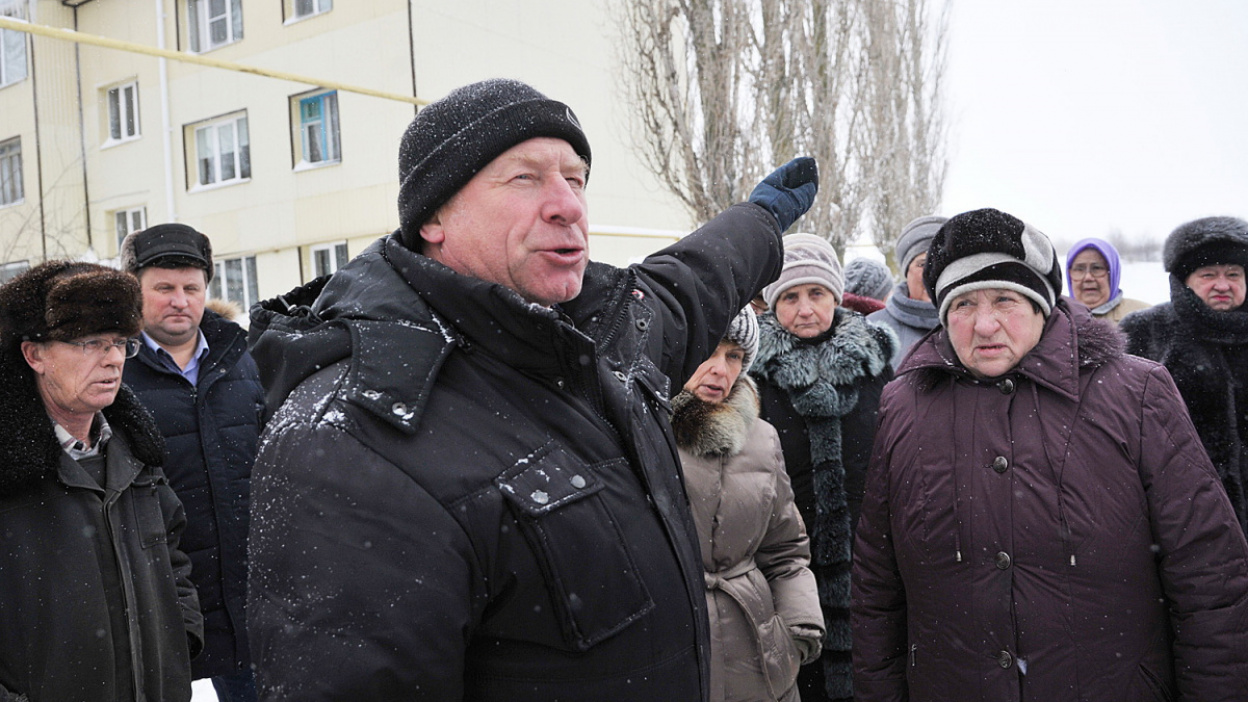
[[191, 372]]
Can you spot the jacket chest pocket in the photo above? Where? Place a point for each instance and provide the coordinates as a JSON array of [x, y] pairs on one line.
[[592, 579], [148, 518]]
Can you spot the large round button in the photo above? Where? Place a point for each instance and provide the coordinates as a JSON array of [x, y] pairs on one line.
[[1003, 560], [1004, 659], [1006, 386], [1000, 464]]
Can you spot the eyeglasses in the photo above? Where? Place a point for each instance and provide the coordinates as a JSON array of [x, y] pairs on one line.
[[1084, 270], [101, 347]]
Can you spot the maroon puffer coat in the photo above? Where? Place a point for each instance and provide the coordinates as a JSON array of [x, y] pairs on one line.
[[1056, 533]]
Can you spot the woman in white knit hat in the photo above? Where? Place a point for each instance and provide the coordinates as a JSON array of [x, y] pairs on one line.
[[760, 594], [820, 370]]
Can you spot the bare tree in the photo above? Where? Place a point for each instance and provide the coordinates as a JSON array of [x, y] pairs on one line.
[[722, 90]]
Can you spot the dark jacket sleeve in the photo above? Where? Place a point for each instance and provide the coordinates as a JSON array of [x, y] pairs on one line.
[[361, 585], [878, 609], [1203, 554], [704, 279], [188, 598]]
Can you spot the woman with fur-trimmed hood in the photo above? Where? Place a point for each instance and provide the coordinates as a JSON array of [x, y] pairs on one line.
[[761, 597], [820, 371]]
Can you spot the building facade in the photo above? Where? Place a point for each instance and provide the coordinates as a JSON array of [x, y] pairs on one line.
[[288, 179]]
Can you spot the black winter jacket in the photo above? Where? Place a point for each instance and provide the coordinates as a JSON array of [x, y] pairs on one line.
[[211, 431], [468, 497], [76, 559]]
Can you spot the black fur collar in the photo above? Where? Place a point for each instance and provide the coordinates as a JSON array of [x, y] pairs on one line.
[[28, 442]]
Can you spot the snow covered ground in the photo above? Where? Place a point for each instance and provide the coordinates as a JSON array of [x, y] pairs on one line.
[[1145, 281]]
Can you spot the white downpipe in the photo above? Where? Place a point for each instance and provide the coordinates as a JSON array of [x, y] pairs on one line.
[[166, 127]]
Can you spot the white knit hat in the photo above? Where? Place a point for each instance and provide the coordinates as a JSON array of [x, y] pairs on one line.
[[744, 333], [807, 259]]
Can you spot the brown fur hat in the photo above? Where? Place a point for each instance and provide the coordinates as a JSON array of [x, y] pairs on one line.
[[67, 300]]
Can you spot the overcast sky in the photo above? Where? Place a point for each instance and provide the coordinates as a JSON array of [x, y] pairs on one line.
[[1085, 116]]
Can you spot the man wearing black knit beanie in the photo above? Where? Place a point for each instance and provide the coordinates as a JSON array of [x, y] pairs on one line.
[[470, 490]]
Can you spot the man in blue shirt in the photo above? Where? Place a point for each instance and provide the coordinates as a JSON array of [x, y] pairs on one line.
[[195, 374]]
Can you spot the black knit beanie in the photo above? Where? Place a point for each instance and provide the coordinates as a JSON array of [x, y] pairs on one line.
[[990, 249], [452, 139]]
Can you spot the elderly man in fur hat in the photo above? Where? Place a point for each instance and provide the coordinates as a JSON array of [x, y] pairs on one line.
[[471, 490], [95, 598], [1201, 337]]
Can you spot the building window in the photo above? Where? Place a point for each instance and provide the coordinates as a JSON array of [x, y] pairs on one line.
[[10, 171], [214, 23], [234, 279], [123, 112], [9, 271], [12, 45], [222, 151], [317, 137], [328, 258], [129, 221], [299, 9]]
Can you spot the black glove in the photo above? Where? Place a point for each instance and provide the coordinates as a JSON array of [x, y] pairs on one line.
[[789, 191]]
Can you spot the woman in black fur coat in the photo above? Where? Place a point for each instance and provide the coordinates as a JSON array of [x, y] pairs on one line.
[[820, 371]]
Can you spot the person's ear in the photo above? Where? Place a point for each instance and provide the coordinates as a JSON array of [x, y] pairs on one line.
[[432, 232], [33, 353]]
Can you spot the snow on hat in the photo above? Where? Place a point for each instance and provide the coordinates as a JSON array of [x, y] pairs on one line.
[[67, 300], [868, 278], [744, 333], [990, 249], [452, 139], [915, 238], [1205, 242], [807, 259]]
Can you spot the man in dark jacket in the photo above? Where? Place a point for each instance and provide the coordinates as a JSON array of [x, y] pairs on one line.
[[1201, 337], [95, 599], [1039, 522], [471, 490], [194, 373]]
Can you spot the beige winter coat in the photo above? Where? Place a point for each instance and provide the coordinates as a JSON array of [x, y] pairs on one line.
[[754, 546]]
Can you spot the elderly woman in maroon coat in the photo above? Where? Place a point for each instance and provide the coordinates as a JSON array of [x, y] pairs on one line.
[[1040, 522]]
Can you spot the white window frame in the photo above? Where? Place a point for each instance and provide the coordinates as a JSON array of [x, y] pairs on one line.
[[129, 221], [123, 113], [299, 10], [11, 188], [203, 18], [328, 258], [213, 164], [14, 55], [235, 279], [317, 139], [9, 271]]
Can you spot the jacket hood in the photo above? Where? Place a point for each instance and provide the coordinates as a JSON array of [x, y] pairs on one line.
[[28, 442], [1072, 340], [719, 429]]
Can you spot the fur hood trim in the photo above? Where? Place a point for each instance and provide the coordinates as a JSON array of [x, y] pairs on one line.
[[28, 441], [706, 429]]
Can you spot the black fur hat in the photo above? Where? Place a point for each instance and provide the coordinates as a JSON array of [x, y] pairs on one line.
[[67, 300], [991, 249], [452, 139], [1205, 242]]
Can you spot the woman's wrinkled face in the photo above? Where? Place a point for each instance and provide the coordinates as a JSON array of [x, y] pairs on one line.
[[1219, 286], [805, 311], [992, 330], [1089, 278], [713, 380]]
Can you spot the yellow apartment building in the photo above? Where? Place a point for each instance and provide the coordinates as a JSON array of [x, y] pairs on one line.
[[289, 179]]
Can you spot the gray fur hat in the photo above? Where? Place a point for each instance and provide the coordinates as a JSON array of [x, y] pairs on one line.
[[868, 278], [744, 333], [1205, 242], [915, 238], [807, 259]]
